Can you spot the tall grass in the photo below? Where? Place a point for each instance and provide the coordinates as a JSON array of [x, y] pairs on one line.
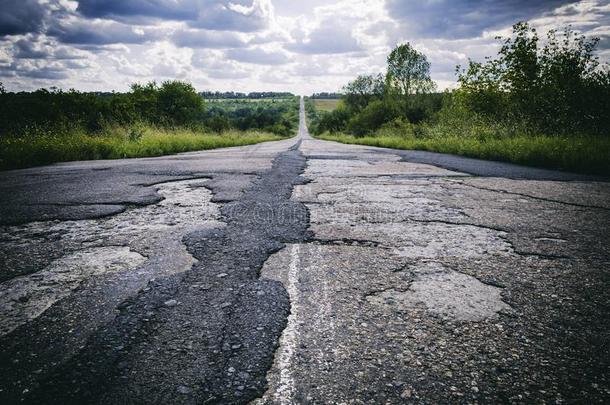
[[115, 143], [590, 155]]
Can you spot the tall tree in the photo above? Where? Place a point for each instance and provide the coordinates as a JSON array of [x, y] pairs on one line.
[[558, 88], [359, 92], [408, 71]]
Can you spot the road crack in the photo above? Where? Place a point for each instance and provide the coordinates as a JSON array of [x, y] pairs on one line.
[[532, 196]]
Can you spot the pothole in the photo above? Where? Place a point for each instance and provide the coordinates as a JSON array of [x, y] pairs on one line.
[[98, 246], [151, 229], [25, 298]]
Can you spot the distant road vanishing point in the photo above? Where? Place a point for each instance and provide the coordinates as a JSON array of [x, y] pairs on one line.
[[303, 271]]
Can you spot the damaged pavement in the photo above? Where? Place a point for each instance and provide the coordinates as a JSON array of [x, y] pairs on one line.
[[303, 271]]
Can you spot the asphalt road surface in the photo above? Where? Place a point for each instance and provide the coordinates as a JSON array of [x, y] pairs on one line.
[[303, 271]]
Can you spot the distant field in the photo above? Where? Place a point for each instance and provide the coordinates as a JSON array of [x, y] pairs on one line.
[[325, 104], [245, 100]]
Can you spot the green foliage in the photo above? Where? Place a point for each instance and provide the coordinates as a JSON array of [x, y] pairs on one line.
[[48, 126], [173, 104], [116, 142], [373, 116], [218, 123], [362, 90], [408, 71], [136, 132], [577, 154], [371, 101], [277, 116], [537, 104], [557, 88], [333, 121], [179, 103], [399, 126]]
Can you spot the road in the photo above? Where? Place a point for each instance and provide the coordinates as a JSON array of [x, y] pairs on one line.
[[303, 271]]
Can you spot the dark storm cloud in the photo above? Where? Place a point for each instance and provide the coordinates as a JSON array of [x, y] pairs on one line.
[[244, 16], [100, 33], [20, 17], [25, 49], [42, 48], [163, 9], [33, 72], [223, 15], [464, 18]]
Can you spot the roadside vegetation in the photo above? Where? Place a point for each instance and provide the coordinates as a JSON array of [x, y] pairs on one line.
[[47, 126], [538, 102]]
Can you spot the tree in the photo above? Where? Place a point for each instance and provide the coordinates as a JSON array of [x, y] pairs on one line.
[[145, 100], [408, 71], [179, 102], [359, 92], [372, 117], [558, 88]]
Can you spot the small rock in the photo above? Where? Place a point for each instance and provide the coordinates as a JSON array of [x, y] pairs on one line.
[[170, 303], [406, 394], [184, 390], [221, 275], [231, 370], [475, 389]]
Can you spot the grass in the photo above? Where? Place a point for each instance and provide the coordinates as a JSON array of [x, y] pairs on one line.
[[325, 104], [589, 155], [117, 143]]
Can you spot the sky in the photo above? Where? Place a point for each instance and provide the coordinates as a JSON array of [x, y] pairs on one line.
[[302, 46]]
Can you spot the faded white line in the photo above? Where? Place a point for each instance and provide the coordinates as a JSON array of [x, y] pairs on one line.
[[285, 391]]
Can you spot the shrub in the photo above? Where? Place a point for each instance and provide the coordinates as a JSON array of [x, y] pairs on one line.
[[372, 117], [397, 127]]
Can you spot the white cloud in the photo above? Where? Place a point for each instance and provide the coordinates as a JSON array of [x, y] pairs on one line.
[[251, 45]]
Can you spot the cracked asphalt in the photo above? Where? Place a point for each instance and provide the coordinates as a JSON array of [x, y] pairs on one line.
[[303, 271]]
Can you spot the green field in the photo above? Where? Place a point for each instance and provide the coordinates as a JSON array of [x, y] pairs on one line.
[[589, 155], [325, 104], [246, 100]]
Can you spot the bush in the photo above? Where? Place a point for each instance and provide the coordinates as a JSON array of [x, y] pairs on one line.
[[372, 117], [556, 89], [333, 121], [218, 123], [179, 103], [397, 127]]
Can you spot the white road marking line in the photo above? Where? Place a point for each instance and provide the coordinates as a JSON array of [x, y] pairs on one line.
[[288, 342]]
